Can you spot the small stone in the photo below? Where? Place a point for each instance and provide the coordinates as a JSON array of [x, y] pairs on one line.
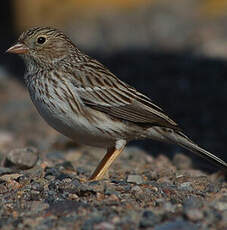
[[34, 195], [63, 207], [136, 189], [3, 189], [224, 217], [175, 225], [104, 225], [67, 165], [110, 191], [91, 222], [113, 197], [72, 155], [54, 156], [63, 176], [169, 207], [194, 214], [38, 206], [135, 179], [149, 219], [51, 171], [37, 186], [5, 138], [151, 175], [181, 161], [221, 206], [192, 203], [10, 177], [100, 196], [73, 196], [186, 186], [116, 220], [4, 171], [135, 153], [22, 158], [216, 187]]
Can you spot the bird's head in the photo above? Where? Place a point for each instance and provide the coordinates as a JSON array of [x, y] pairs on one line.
[[43, 46]]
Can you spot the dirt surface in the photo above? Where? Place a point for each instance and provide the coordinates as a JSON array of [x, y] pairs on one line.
[[42, 174]]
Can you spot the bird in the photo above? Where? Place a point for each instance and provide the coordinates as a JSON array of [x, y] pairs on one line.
[[82, 99]]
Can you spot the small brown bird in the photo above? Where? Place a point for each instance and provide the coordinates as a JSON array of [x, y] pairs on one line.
[[83, 100]]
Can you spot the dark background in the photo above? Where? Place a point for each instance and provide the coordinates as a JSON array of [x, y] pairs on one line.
[[175, 54]]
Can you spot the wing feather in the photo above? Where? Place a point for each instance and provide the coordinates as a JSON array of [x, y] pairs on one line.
[[103, 91]]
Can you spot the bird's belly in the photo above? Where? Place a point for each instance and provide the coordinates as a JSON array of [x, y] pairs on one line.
[[74, 126]]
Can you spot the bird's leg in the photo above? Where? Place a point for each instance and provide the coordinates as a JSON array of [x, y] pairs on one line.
[[105, 163]]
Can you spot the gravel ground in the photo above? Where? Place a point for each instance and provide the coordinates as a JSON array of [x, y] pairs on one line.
[[41, 181]]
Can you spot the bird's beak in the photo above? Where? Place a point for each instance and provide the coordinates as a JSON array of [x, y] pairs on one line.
[[18, 48]]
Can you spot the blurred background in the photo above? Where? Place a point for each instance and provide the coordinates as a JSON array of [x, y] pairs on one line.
[[173, 51]]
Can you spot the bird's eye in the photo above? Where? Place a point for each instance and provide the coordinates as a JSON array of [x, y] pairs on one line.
[[41, 40]]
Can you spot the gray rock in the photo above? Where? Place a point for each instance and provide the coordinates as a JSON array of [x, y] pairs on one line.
[[5, 138], [55, 156], [186, 186], [181, 161], [38, 206], [4, 171], [221, 206], [149, 219], [176, 225], [104, 225], [135, 179], [22, 158], [169, 207], [64, 207], [93, 221], [136, 189], [194, 214], [192, 203]]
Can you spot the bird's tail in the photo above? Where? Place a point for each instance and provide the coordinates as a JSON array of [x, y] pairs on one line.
[[177, 137]]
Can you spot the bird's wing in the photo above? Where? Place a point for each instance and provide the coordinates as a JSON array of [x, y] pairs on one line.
[[101, 90]]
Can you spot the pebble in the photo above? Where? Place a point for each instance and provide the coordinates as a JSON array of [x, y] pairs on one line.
[[72, 196], [55, 156], [224, 217], [51, 171], [67, 165], [169, 207], [10, 177], [135, 179], [60, 208], [38, 206], [34, 195], [110, 191], [4, 171], [181, 161], [213, 188], [186, 186], [149, 219], [3, 188], [135, 153], [136, 189], [104, 226], [37, 186], [5, 138], [175, 225], [221, 206], [151, 175], [194, 214], [192, 203], [91, 222], [22, 158]]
